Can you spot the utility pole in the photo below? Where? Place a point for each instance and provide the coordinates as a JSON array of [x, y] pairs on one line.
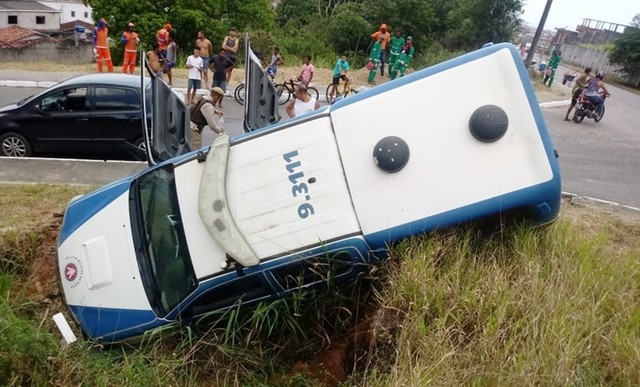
[[536, 37]]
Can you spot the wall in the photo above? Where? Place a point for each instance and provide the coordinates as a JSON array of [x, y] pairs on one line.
[[27, 19], [66, 8], [595, 58], [62, 52]]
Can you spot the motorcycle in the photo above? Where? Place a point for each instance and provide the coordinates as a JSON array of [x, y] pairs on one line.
[[586, 108]]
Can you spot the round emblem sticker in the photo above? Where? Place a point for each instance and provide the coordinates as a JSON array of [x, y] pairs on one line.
[[70, 271], [73, 271]]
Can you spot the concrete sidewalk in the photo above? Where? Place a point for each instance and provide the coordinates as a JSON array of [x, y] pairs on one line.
[[46, 79]]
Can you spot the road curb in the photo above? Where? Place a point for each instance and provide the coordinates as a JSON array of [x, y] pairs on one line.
[[553, 104], [576, 199], [228, 93]]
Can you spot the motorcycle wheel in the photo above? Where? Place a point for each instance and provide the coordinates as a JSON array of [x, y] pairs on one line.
[[578, 116], [598, 118]]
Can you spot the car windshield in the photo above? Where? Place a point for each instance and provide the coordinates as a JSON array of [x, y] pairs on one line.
[[161, 244]]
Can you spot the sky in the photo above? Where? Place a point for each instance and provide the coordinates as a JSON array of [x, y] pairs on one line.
[[569, 13]]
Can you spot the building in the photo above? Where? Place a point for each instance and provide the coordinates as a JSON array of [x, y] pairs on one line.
[[70, 10], [29, 14]]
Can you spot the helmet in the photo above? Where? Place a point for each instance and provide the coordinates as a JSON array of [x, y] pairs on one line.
[[600, 75]]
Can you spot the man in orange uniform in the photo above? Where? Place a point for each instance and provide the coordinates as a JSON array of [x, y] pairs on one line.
[[130, 40], [162, 38], [101, 45], [383, 52]]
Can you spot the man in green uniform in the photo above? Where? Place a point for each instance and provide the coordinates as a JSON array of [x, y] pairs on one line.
[[553, 65], [396, 43], [374, 57], [404, 59]]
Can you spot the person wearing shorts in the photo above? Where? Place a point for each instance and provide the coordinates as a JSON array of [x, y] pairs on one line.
[[340, 71], [194, 66], [580, 84], [221, 65]]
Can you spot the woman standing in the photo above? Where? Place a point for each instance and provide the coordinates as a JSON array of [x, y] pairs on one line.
[[230, 45]]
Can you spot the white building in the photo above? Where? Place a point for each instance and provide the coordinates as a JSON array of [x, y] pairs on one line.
[[29, 14], [70, 10]]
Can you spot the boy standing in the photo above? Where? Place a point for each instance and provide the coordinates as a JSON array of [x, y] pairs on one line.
[[276, 60], [221, 67], [194, 65], [306, 73]]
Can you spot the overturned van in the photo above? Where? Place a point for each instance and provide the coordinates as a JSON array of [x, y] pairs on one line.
[[253, 217]]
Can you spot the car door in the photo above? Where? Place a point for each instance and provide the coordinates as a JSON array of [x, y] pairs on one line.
[[115, 117], [167, 134], [58, 121]]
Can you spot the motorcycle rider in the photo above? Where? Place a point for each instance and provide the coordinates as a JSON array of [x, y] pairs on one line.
[[593, 91], [581, 83]]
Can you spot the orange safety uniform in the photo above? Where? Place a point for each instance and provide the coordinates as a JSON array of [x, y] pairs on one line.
[[162, 38], [130, 51], [102, 48]]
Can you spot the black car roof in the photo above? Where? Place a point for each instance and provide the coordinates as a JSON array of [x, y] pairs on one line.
[[104, 79]]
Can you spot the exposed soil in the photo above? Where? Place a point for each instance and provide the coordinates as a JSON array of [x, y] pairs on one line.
[[44, 275]]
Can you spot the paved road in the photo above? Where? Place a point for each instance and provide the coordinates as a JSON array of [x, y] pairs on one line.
[[600, 160]]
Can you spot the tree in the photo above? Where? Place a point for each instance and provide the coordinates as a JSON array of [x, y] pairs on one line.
[[187, 17], [475, 22], [626, 52]]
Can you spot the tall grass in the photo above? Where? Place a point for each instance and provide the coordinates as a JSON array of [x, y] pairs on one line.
[[547, 306], [528, 307]]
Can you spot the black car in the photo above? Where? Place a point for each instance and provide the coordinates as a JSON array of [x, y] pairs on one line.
[[88, 114]]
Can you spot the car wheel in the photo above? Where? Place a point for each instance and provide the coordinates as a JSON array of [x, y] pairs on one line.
[[14, 145]]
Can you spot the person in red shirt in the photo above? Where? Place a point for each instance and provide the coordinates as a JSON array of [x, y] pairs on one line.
[[162, 38], [130, 40], [383, 52], [101, 45]]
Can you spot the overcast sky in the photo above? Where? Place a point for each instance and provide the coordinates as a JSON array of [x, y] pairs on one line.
[[569, 13]]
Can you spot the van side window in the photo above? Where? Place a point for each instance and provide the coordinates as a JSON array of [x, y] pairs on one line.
[[113, 98]]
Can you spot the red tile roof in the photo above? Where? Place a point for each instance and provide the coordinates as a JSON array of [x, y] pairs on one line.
[[70, 26], [18, 37]]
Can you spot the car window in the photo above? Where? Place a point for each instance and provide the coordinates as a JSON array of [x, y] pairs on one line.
[[113, 98], [72, 99]]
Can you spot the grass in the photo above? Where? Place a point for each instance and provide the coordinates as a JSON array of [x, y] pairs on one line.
[[558, 305]]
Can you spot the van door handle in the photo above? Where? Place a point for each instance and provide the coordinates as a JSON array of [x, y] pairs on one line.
[[83, 119]]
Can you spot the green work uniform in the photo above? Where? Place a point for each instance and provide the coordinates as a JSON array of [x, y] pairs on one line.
[[375, 58], [396, 43], [404, 59], [554, 62]]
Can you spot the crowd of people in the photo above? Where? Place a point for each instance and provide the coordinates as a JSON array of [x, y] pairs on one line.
[[207, 110]]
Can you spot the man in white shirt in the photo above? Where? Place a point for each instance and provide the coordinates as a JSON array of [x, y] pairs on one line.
[[302, 103], [206, 114], [194, 64]]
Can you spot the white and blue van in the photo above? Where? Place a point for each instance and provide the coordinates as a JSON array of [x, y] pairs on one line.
[[251, 217]]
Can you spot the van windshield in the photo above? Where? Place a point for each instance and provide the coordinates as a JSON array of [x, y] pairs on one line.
[[163, 255]]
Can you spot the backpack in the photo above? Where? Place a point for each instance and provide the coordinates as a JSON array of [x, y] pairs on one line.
[[196, 115]]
